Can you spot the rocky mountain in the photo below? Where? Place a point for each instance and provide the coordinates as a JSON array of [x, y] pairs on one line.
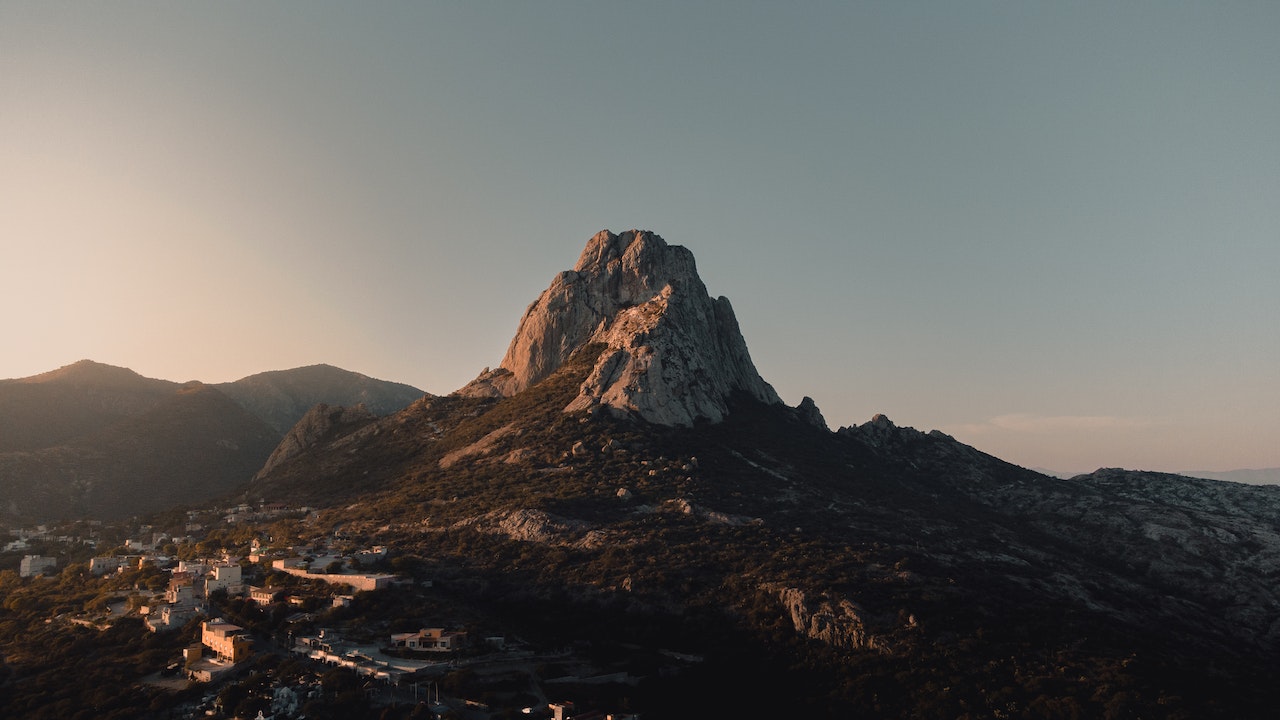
[[671, 354], [97, 441], [625, 479]]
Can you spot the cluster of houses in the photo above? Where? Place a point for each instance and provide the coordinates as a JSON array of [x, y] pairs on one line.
[[222, 645], [265, 511], [190, 585], [24, 537], [335, 569], [142, 551], [35, 565], [368, 660], [107, 564]]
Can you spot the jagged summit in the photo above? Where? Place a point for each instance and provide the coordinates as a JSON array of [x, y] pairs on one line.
[[673, 354]]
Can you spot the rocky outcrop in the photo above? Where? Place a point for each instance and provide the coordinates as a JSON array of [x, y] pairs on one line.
[[483, 446], [809, 412], [880, 432], [837, 622], [1217, 542], [540, 527], [672, 353], [323, 422]]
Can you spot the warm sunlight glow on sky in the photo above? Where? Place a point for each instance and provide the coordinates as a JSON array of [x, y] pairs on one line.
[[1051, 230]]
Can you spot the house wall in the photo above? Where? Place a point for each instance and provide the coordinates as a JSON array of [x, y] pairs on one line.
[[432, 639], [226, 641], [32, 565]]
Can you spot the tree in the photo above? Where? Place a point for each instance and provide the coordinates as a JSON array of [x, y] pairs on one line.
[[339, 680], [230, 697], [73, 574]]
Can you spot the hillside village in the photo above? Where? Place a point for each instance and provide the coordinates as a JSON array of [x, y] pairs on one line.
[[231, 600]]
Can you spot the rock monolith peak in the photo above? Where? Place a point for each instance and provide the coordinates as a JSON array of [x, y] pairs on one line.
[[672, 355]]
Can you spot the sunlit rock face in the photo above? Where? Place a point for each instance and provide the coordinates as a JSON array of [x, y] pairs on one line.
[[321, 423], [673, 353]]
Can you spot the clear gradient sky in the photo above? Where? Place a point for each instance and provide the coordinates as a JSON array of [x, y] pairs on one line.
[[1049, 229]]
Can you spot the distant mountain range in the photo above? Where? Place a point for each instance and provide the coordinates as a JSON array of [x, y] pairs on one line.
[[282, 397], [1259, 476], [102, 442]]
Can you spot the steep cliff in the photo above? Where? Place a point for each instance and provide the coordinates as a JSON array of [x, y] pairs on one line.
[[673, 354]]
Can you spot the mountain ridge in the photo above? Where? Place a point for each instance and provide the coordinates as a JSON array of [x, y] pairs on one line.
[[1245, 476], [83, 439], [1251, 476], [188, 447], [47, 409], [283, 397]]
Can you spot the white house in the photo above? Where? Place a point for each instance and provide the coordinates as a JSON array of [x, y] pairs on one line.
[[33, 565], [106, 565], [170, 617], [262, 595], [195, 568], [181, 590], [223, 577]]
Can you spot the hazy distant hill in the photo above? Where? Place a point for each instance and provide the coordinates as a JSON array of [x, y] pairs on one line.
[[93, 440], [48, 409], [192, 446], [283, 397], [1262, 476]]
